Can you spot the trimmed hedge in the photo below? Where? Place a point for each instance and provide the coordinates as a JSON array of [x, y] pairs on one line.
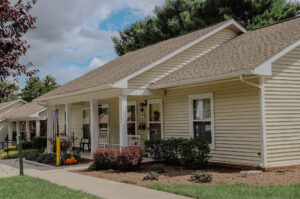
[[48, 158], [189, 152], [26, 145], [39, 142]]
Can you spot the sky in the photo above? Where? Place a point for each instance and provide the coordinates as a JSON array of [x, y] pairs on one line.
[[73, 37]]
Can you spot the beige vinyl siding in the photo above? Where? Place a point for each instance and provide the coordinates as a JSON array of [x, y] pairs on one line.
[[237, 119], [154, 74], [282, 110]]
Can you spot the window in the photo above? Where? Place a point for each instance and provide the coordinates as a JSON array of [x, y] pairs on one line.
[[103, 117], [131, 118], [202, 117]]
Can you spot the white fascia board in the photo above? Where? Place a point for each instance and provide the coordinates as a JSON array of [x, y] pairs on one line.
[[37, 114], [122, 83], [106, 86], [202, 79], [266, 67]]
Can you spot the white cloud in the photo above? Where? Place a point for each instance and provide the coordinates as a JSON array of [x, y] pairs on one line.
[[67, 31]]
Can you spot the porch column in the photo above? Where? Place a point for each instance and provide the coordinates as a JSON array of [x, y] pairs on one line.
[[123, 121], [68, 122], [94, 124], [17, 129], [38, 127], [50, 129], [10, 133], [28, 136]]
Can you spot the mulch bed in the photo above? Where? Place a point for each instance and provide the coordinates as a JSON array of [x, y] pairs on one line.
[[177, 175]]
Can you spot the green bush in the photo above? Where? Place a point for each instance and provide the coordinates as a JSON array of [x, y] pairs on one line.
[[201, 176], [159, 168], [194, 153], [154, 149], [26, 145], [45, 158], [189, 152], [39, 142], [92, 166], [152, 176]]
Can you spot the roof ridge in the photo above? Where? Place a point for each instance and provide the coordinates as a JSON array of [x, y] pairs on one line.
[[278, 22]]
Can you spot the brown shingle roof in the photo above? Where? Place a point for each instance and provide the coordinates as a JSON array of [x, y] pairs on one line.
[[246, 51], [129, 63], [23, 111], [4, 104]]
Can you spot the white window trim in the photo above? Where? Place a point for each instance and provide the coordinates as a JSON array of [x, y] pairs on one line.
[[104, 106], [162, 116], [133, 103], [203, 96]]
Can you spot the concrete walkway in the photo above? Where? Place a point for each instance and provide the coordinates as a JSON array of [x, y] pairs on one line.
[[100, 187]]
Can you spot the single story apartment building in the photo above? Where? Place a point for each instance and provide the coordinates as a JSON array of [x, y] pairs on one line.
[[238, 89]]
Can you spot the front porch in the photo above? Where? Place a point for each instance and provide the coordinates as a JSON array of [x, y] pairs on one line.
[[110, 121]]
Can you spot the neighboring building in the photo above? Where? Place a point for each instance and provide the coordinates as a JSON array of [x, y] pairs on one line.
[[28, 119], [6, 107], [238, 89]]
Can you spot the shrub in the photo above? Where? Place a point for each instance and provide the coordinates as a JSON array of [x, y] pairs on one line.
[[152, 176], [201, 176], [154, 149], [105, 158], [130, 159], [39, 142], [170, 150], [26, 145], [191, 153], [92, 166], [45, 158], [10, 148], [194, 153], [32, 156], [159, 168]]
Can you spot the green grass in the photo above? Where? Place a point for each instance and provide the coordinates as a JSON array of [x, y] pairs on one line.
[[14, 154], [24, 187], [232, 191]]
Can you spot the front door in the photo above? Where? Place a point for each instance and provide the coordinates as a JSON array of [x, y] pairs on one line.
[[155, 119], [86, 123]]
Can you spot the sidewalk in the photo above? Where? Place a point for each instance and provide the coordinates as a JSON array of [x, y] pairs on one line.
[[100, 187]]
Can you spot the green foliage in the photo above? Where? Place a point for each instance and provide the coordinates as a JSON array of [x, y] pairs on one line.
[[201, 176], [12, 91], [24, 187], [92, 166], [36, 87], [26, 144], [39, 142], [236, 191], [191, 153], [159, 168], [178, 17], [194, 153], [151, 176]]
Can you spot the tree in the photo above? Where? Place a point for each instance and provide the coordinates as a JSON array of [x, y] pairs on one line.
[[15, 21], [36, 87], [12, 93], [177, 17]]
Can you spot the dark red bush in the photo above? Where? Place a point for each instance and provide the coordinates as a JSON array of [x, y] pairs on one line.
[[105, 158], [130, 159]]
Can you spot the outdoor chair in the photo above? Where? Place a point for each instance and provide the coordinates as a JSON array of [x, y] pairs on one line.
[[85, 142]]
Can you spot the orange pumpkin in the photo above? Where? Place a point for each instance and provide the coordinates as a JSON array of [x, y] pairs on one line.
[[71, 161]]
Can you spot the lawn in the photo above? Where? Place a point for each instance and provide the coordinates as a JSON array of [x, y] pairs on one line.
[[14, 154], [236, 191], [23, 187]]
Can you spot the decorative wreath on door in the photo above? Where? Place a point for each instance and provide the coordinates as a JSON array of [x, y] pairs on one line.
[[156, 115]]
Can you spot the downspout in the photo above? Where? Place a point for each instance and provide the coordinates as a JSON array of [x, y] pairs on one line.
[[262, 116]]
